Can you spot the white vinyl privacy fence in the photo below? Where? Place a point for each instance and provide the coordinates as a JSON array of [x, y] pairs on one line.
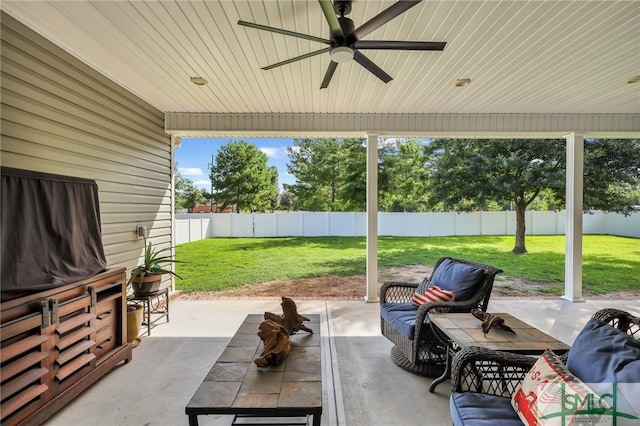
[[194, 227]]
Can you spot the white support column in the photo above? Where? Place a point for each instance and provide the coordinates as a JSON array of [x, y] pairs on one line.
[[573, 233], [175, 144], [372, 218]]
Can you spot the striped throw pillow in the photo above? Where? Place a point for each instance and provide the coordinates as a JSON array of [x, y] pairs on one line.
[[433, 294]]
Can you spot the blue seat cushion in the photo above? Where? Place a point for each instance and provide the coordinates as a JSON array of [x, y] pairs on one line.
[[603, 354], [462, 278], [402, 317], [478, 409]]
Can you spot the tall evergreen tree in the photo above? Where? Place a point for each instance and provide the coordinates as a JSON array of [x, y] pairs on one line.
[[408, 186], [273, 191], [316, 165], [353, 191], [242, 179]]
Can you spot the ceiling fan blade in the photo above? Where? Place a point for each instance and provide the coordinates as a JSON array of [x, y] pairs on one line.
[[332, 19], [371, 67], [329, 74], [281, 31], [382, 18], [297, 58], [400, 45]]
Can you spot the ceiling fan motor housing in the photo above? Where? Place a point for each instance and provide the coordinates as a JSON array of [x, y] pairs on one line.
[[347, 26], [342, 7]]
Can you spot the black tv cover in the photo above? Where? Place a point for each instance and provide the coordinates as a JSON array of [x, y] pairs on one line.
[[51, 232]]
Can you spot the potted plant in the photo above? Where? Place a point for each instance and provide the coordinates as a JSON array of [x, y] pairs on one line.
[[146, 277]]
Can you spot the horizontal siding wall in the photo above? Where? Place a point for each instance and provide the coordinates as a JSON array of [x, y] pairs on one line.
[[61, 116]]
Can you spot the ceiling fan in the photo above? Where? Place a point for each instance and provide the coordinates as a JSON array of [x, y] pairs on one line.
[[346, 41]]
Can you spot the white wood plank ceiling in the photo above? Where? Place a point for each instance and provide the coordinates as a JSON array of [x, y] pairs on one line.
[[521, 56]]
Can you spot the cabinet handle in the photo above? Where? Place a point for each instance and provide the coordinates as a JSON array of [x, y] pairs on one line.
[[105, 315], [93, 295], [104, 344], [53, 306], [44, 307]]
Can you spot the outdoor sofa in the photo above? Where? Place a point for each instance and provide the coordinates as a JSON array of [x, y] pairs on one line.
[[603, 361], [417, 349]]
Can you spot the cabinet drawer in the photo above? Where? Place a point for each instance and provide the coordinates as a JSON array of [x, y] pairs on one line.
[[56, 343], [105, 340], [106, 313]]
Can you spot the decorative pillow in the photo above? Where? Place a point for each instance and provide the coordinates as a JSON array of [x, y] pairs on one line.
[[550, 395], [462, 278], [423, 286], [433, 294]]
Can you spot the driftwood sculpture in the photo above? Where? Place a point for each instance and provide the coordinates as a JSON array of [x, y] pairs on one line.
[[276, 344], [490, 320], [290, 319]]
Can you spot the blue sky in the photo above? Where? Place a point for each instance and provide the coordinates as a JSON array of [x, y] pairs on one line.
[[194, 156]]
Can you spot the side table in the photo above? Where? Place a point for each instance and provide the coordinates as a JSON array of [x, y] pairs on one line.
[[155, 303], [458, 330]]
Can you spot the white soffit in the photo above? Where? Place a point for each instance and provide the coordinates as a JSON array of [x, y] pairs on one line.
[[523, 57]]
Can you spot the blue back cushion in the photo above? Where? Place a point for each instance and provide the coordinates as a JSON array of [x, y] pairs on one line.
[[462, 278], [603, 354]]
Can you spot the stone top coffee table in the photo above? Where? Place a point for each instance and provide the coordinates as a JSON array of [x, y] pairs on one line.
[[236, 386], [457, 330]]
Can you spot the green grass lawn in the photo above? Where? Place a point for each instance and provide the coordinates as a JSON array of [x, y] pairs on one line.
[[609, 263]]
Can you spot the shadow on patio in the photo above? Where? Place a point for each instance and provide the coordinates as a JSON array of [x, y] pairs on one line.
[[362, 384]]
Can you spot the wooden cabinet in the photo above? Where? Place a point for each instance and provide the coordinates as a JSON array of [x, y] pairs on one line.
[[56, 343]]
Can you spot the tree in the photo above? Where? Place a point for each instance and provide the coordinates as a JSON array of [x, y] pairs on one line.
[[632, 198], [241, 178], [331, 174], [187, 195], [611, 174], [287, 201], [353, 192], [467, 174], [316, 165], [546, 200], [273, 191], [407, 189], [353, 175]]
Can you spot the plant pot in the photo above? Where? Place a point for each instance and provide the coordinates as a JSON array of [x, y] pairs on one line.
[[147, 285], [134, 323]]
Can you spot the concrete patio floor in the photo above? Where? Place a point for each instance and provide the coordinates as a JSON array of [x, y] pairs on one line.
[[362, 385]]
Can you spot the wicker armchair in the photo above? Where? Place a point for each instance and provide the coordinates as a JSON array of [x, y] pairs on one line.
[[485, 372], [424, 354], [498, 373]]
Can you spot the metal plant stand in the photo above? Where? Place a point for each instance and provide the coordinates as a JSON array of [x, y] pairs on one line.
[[156, 304]]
